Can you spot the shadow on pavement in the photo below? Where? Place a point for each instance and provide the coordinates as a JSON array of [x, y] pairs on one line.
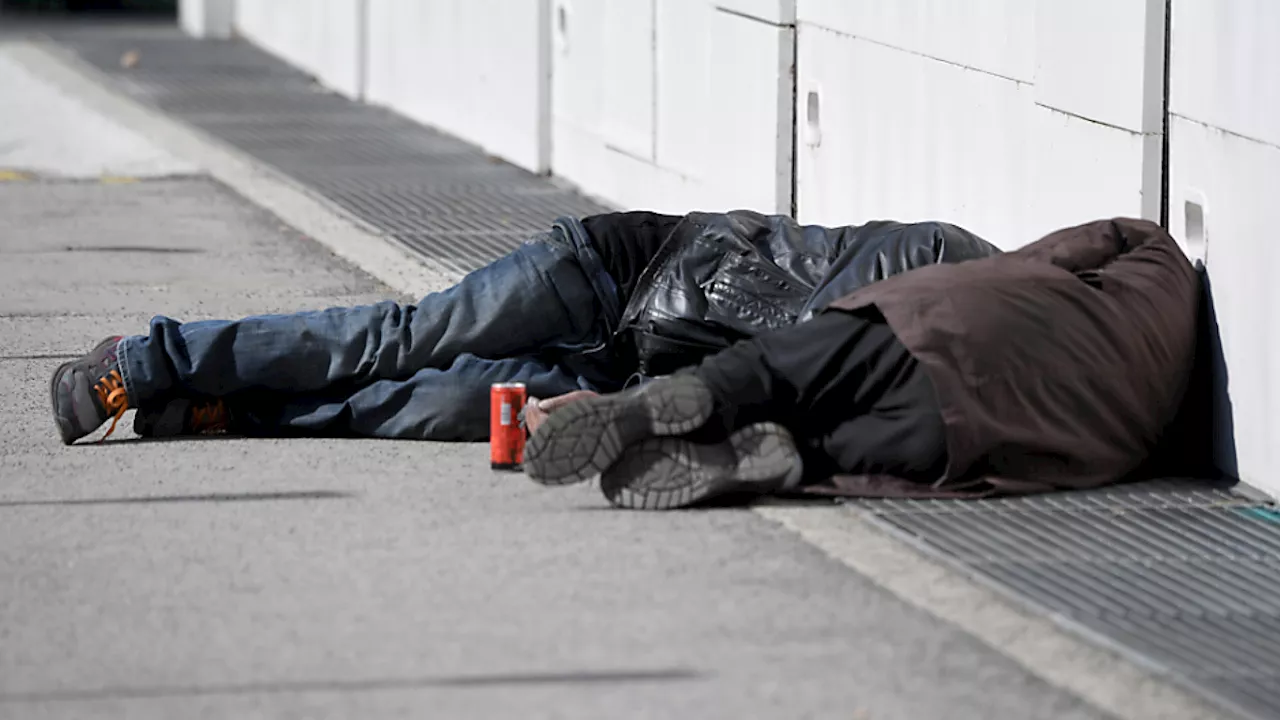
[[210, 497], [374, 685]]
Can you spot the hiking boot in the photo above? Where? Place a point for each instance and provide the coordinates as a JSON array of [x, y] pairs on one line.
[[89, 391], [584, 438], [665, 473], [184, 418]]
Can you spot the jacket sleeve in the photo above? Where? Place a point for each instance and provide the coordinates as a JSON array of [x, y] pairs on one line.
[[953, 244], [879, 250]]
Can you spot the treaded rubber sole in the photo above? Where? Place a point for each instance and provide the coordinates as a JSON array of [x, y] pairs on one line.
[[669, 473], [65, 430], [584, 438]]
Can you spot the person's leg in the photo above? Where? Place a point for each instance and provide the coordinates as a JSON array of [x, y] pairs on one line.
[[810, 378], [450, 404], [446, 404], [534, 297], [785, 376], [903, 436], [537, 298]]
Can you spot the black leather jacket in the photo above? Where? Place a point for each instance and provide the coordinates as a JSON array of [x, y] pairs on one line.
[[725, 277]]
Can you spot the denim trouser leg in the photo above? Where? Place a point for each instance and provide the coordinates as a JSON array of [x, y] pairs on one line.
[[538, 298], [433, 404]]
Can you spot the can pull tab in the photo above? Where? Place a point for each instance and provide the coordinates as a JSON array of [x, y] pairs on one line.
[[524, 411]]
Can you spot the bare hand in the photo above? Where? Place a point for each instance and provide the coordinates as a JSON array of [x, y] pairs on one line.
[[537, 411]]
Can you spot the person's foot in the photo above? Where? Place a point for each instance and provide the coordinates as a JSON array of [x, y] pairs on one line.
[[184, 418], [665, 473], [585, 437], [89, 391]]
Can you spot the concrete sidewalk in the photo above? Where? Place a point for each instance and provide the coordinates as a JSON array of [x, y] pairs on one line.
[[311, 578]]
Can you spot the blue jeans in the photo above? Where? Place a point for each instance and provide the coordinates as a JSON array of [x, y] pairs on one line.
[[543, 315]]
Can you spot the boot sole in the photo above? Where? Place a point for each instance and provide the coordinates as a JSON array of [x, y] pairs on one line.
[[65, 431], [583, 439], [672, 473]]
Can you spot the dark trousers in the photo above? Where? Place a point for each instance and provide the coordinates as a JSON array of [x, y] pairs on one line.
[[856, 401]]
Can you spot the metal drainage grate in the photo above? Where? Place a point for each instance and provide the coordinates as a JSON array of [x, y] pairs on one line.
[[1176, 575], [440, 197], [464, 251]]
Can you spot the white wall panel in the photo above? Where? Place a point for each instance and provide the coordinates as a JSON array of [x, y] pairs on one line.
[[604, 71], [617, 178], [627, 59], [725, 105], [322, 37], [475, 68], [1224, 169], [687, 59], [207, 18], [777, 12], [1091, 59], [700, 122], [1225, 65], [1081, 171], [994, 36], [586, 143], [1230, 182], [901, 136]]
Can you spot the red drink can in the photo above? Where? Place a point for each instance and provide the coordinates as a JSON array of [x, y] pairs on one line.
[[506, 432]]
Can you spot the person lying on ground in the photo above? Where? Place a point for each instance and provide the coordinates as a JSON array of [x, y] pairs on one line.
[[590, 305], [1059, 365]]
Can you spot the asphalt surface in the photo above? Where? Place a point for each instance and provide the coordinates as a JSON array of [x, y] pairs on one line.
[[318, 578]]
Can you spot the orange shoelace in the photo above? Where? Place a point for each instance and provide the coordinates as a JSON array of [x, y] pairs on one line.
[[209, 417], [114, 399]]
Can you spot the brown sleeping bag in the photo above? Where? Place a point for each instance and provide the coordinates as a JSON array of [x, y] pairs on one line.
[[1057, 366]]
